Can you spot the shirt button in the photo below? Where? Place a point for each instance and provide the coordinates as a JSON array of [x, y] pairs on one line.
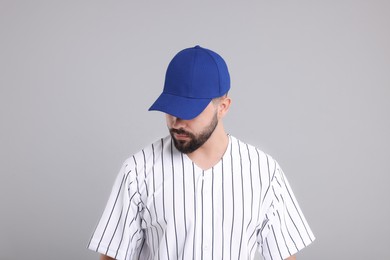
[[206, 247]]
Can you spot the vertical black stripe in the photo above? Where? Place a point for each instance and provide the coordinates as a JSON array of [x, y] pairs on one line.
[[223, 209], [173, 201], [276, 241], [154, 200], [146, 185], [250, 175], [261, 188], [146, 188], [259, 198], [184, 203], [275, 169], [269, 178], [212, 208], [194, 240], [136, 175], [261, 184], [138, 189], [242, 197], [151, 231], [116, 228], [254, 242], [269, 173], [124, 226], [142, 247], [269, 251], [163, 181], [277, 181], [163, 194], [233, 213], [150, 215], [202, 215], [288, 231], [281, 232], [275, 196]]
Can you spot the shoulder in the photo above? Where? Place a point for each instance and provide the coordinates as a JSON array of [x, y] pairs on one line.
[[147, 156], [238, 144], [253, 153]]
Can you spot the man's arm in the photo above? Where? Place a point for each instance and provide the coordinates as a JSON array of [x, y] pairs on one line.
[[291, 258], [104, 257]]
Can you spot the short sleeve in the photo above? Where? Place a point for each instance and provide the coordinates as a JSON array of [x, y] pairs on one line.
[[118, 233], [285, 230]]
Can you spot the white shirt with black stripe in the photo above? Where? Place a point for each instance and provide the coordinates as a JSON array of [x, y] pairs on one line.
[[164, 207]]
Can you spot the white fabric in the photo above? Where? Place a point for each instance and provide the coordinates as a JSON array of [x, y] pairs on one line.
[[163, 206]]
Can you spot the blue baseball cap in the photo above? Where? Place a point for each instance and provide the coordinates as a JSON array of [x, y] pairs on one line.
[[194, 77]]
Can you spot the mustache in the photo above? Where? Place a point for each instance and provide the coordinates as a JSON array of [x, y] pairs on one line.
[[180, 132]]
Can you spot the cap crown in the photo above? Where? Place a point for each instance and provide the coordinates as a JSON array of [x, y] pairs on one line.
[[197, 73]]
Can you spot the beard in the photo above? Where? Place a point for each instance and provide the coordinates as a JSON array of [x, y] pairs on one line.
[[195, 141]]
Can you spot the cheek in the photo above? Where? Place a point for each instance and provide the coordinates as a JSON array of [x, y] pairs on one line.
[[207, 117], [169, 121], [200, 124]]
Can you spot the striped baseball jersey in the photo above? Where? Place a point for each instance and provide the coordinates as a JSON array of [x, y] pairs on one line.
[[164, 207]]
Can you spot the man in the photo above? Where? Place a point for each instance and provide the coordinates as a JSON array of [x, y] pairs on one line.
[[200, 193]]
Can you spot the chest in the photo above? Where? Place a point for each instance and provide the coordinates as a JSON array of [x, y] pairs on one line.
[[179, 193]]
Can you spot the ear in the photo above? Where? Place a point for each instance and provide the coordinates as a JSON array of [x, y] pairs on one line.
[[223, 107]]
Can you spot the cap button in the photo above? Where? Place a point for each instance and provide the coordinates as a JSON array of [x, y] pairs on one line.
[[197, 47]]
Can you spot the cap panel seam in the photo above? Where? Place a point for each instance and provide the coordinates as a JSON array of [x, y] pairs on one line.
[[219, 72], [192, 71]]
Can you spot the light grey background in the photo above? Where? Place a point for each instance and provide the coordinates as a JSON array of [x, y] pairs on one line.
[[310, 86]]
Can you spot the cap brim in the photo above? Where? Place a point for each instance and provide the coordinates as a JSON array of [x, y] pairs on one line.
[[181, 107]]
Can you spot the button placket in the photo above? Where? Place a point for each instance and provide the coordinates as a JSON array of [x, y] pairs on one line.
[[207, 214]]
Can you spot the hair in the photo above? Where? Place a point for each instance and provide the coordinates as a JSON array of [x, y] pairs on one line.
[[218, 99]]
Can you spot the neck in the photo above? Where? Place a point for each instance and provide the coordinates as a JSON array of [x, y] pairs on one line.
[[211, 152]]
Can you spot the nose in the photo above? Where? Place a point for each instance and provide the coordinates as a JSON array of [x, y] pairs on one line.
[[177, 122]]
